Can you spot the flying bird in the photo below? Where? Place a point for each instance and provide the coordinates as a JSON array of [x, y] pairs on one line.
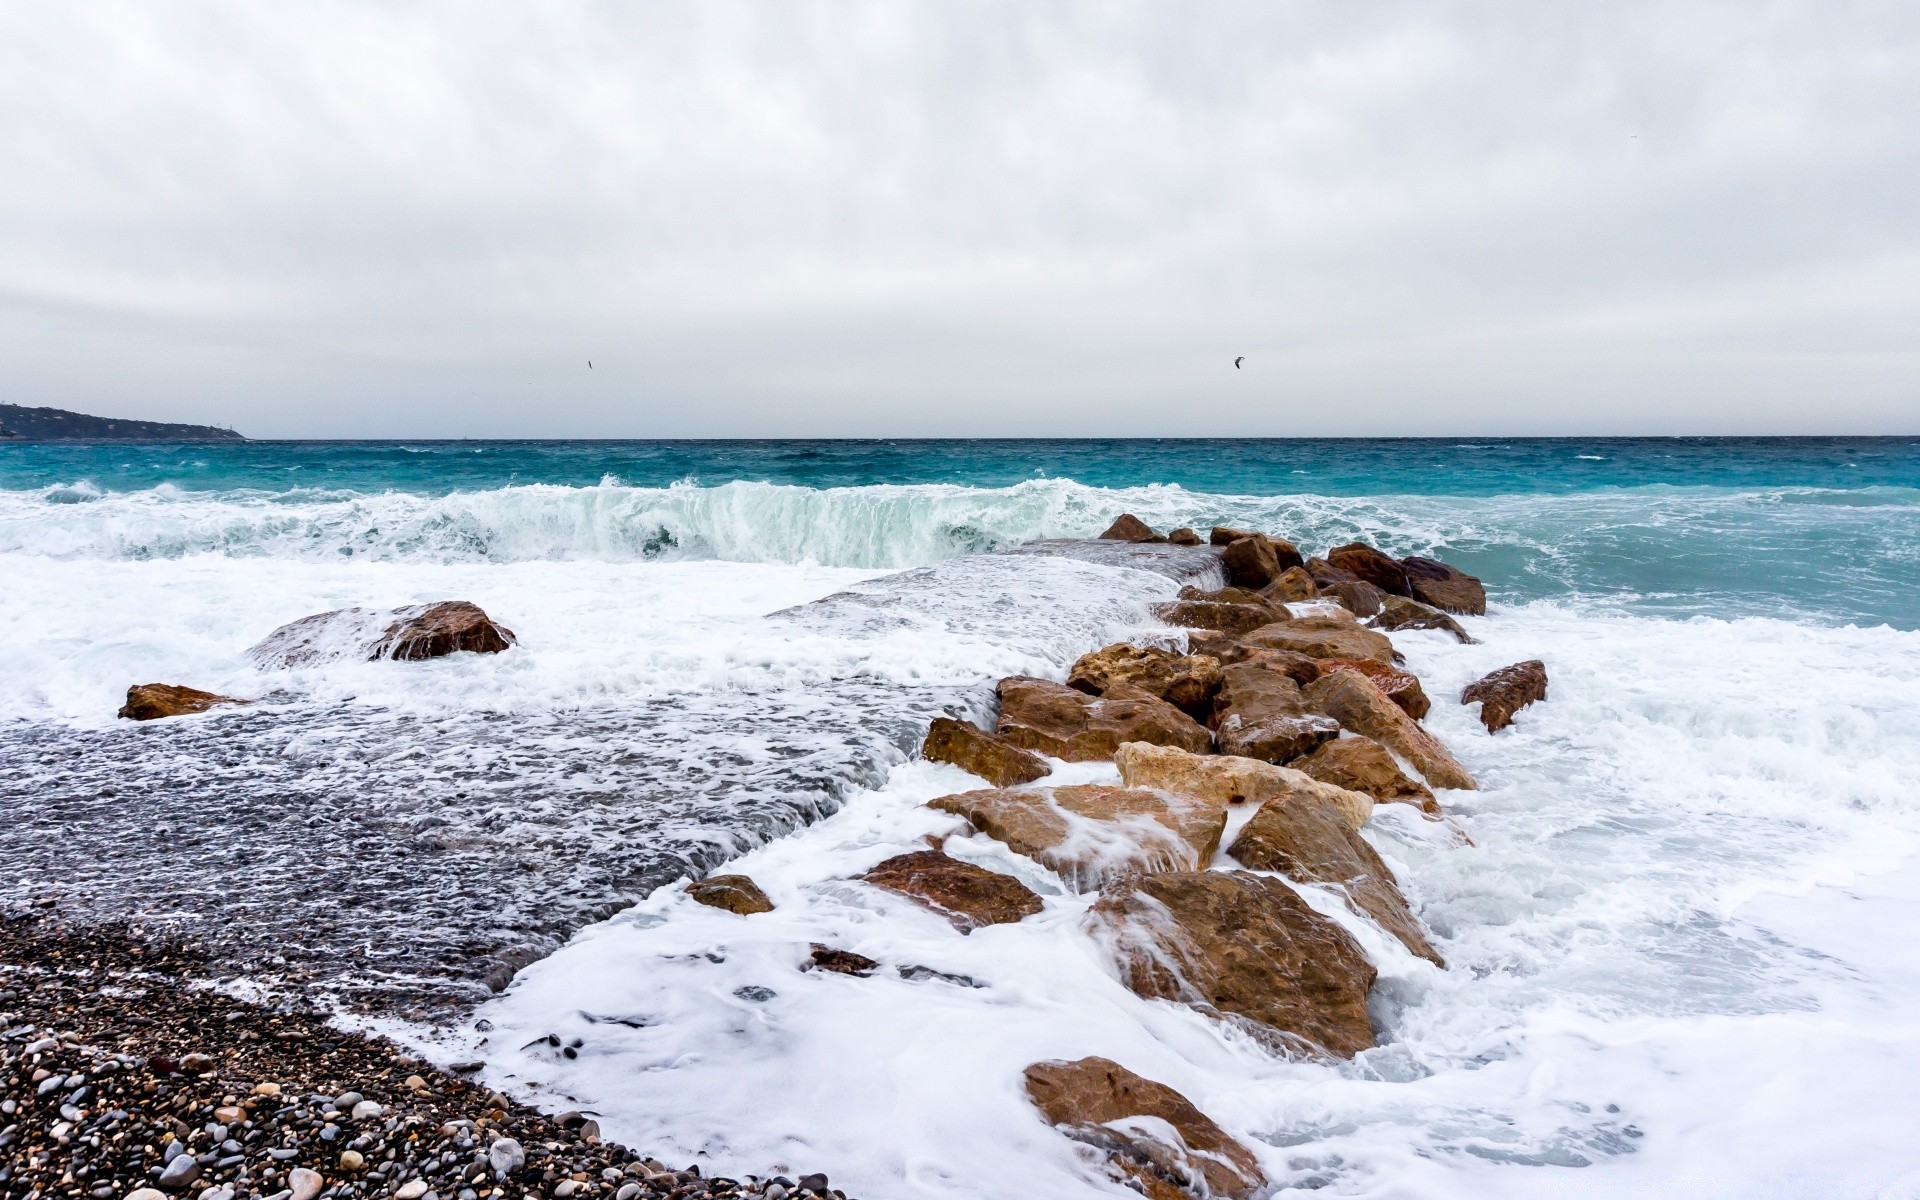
[[589, 364], [1238, 361]]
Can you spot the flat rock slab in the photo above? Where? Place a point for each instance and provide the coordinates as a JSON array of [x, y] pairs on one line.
[[1309, 841], [1502, 693], [1217, 615], [967, 895], [1223, 780], [1354, 701], [1245, 948], [1052, 718], [1322, 637], [413, 632], [1090, 833], [152, 701], [735, 893], [1102, 1104], [1360, 764], [978, 752]]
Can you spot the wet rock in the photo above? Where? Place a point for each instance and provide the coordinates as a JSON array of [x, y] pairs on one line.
[[151, 701], [1291, 586], [1102, 1104], [1259, 713], [1502, 693], [1401, 687], [1325, 573], [1444, 587], [1353, 700], [1224, 780], [1309, 840], [1244, 948], [967, 895], [1090, 833], [735, 893], [1322, 636], [978, 752], [840, 962], [1358, 597], [1232, 595], [1301, 668], [180, 1173], [1365, 563], [1184, 537], [1360, 764], [1054, 719], [1185, 681], [1226, 535], [1397, 613], [1216, 615], [1129, 528], [1257, 560], [416, 631], [505, 1158]]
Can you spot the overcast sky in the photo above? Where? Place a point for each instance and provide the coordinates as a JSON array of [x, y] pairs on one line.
[[898, 219]]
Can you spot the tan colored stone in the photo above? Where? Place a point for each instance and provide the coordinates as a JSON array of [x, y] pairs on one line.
[[1099, 1102], [967, 895], [1309, 841], [1321, 637], [1353, 700], [1401, 687], [1090, 833], [1502, 693], [978, 752], [735, 893], [1360, 764], [1052, 718], [1242, 947], [1223, 780], [151, 701], [1259, 713], [1184, 537], [1292, 584], [1185, 681], [1233, 595], [1215, 615]]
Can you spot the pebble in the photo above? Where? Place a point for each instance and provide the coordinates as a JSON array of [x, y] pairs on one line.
[[303, 1183], [346, 1100], [266, 1089], [505, 1157], [352, 1160], [627, 1191], [367, 1110], [413, 1189], [180, 1171], [146, 1193], [196, 1063]]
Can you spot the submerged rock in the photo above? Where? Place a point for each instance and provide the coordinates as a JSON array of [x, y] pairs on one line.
[[978, 752], [1243, 947], [735, 893], [1259, 713], [1360, 764], [1322, 636], [1054, 719], [1186, 681], [1102, 1104], [152, 701], [1352, 699], [1397, 613], [1089, 833], [1129, 528], [1401, 687], [416, 631], [1445, 587], [967, 895], [1309, 841], [1365, 563], [1502, 693], [1224, 780], [840, 962]]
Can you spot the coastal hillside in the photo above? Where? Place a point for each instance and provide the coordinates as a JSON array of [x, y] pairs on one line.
[[18, 423]]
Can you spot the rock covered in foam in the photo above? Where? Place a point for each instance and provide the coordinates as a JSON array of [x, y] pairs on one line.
[[1360, 764], [1100, 1103], [1259, 713], [1352, 699], [412, 632], [1052, 718], [1444, 587], [1090, 833], [967, 895], [978, 752], [152, 701], [1186, 681], [1242, 947], [1502, 693], [1224, 780]]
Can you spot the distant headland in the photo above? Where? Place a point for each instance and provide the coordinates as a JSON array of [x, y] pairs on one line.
[[58, 425]]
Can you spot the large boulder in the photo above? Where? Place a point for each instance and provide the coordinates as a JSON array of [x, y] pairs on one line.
[[1360, 764], [1227, 535], [1445, 587], [1259, 713], [151, 701], [1351, 699], [1291, 586], [969, 896], [1186, 681], [1325, 573], [1401, 687], [1052, 718], [1233, 619], [413, 632], [978, 752], [1129, 528], [1100, 1103], [735, 893], [1242, 947], [1309, 841], [1322, 637], [1502, 693], [1185, 537], [1397, 613], [1090, 833], [1257, 560], [1365, 563], [1357, 596], [1224, 780]]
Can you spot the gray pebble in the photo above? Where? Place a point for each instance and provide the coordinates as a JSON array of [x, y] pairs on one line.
[[182, 1170], [505, 1157]]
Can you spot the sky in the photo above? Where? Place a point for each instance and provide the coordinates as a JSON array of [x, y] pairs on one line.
[[964, 219]]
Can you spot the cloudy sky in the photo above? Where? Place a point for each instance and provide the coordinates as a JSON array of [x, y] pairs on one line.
[[897, 219]]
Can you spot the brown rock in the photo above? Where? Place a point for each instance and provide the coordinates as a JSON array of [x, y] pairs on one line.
[[1243, 947], [1089, 833], [1351, 699], [1054, 719], [1129, 528], [1099, 1102], [1224, 780], [1325, 573], [1211, 614], [1360, 764], [1258, 713], [1223, 535], [1401, 687], [1506, 691], [1185, 537], [1233, 595], [1291, 586], [1187, 682], [416, 631], [1256, 561], [1214, 644], [974, 750], [1444, 587], [969, 896], [151, 701], [840, 962], [735, 893], [1358, 597], [1309, 841], [1397, 613], [1364, 562], [1321, 637], [1298, 667]]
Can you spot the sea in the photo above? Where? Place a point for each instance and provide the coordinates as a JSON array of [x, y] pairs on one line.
[[1681, 916]]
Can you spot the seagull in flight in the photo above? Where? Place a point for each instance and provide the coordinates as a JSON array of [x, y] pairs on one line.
[[1238, 361], [589, 364]]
